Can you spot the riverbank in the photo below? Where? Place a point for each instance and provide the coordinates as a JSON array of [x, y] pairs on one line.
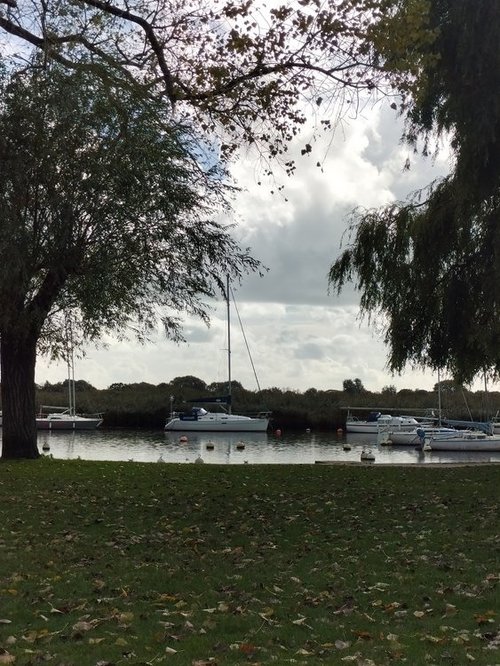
[[145, 406], [211, 564]]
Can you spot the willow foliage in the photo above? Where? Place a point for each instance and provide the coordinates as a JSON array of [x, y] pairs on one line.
[[431, 265]]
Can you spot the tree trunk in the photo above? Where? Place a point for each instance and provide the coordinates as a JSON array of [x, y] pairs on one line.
[[18, 358]]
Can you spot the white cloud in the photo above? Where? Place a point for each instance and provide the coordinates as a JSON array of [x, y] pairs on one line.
[[300, 336]]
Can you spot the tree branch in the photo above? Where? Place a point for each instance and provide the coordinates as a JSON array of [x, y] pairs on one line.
[[150, 36]]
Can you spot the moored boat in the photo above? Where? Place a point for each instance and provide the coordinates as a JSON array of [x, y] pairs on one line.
[[199, 419], [416, 436], [376, 422], [66, 420], [467, 440]]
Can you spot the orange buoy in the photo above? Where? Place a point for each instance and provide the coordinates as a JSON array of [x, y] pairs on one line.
[[277, 433], [183, 438]]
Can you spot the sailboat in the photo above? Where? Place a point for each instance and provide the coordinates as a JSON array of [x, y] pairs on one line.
[[66, 418], [199, 419], [478, 436]]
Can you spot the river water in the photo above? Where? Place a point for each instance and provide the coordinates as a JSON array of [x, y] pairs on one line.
[[239, 448]]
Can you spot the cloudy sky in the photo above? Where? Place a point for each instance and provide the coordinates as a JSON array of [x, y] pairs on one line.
[[299, 335]]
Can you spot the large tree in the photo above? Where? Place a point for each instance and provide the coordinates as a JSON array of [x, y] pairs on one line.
[[251, 71], [431, 265], [104, 214], [98, 219]]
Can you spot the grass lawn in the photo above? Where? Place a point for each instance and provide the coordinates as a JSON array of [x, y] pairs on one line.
[[130, 563]]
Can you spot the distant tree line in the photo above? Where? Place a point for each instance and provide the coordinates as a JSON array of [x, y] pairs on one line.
[[144, 405]]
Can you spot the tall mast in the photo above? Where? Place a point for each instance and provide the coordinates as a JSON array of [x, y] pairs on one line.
[[228, 305], [71, 366], [439, 398]]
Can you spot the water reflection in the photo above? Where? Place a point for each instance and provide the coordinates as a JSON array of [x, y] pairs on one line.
[[239, 448]]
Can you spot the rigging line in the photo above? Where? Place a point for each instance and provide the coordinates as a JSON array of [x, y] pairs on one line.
[[244, 338], [70, 361], [466, 404]]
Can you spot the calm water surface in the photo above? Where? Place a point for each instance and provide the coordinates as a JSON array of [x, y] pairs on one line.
[[238, 448]]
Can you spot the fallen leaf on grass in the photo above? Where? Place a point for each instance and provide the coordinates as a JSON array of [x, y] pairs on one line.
[[83, 626], [493, 577], [168, 597], [125, 618], [56, 611], [485, 618], [7, 658], [435, 639], [33, 635], [364, 635], [449, 610], [390, 608]]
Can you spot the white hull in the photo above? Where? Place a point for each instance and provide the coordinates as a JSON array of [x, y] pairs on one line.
[[412, 438], [467, 442], [361, 427], [201, 420], [384, 422], [67, 422], [215, 422]]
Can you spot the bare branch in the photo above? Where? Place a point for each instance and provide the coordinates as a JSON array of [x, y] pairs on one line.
[[150, 36]]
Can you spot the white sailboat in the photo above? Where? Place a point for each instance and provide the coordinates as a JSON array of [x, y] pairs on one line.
[[377, 422], [465, 440], [477, 436], [198, 419], [415, 437], [66, 418]]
